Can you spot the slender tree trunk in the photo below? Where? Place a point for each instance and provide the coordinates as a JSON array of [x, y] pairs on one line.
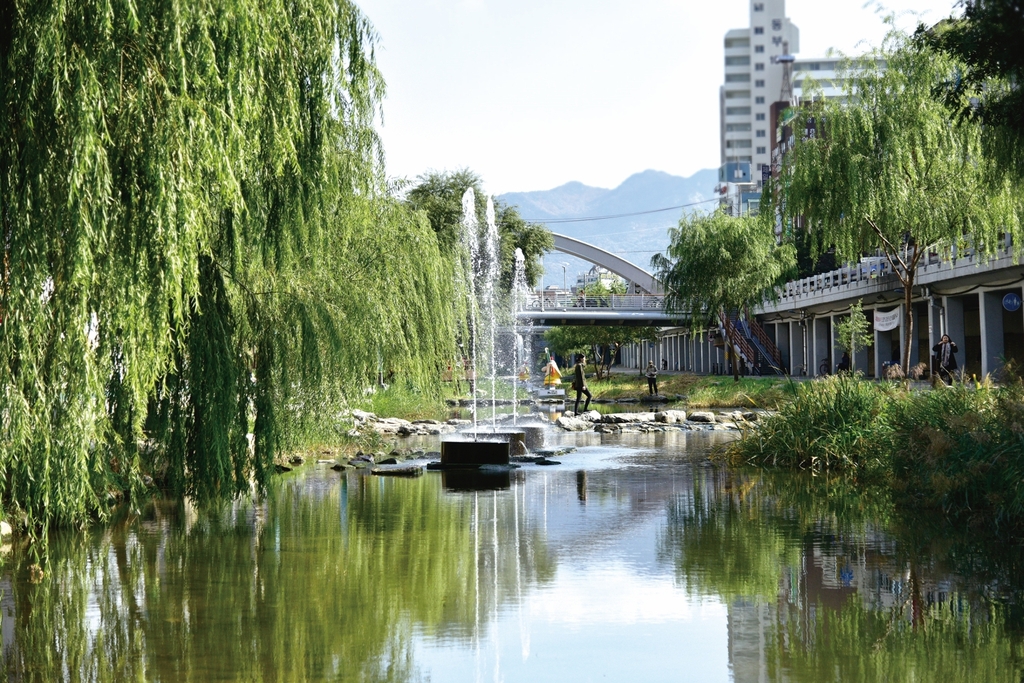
[[735, 362], [908, 318]]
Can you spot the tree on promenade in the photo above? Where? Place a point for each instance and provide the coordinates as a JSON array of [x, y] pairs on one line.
[[199, 253], [717, 264], [986, 39], [889, 168]]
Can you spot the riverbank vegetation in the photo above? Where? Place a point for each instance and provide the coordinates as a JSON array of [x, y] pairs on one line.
[[959, 449]]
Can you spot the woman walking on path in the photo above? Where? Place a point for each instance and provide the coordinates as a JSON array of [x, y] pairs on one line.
[[945, 359], [579, 383], [652, 378]]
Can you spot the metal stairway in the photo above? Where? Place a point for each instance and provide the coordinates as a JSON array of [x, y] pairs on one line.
[[754, 344]]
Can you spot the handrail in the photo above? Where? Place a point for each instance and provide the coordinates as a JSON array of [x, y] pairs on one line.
[[766, 342], [738, 340], [634, 302]]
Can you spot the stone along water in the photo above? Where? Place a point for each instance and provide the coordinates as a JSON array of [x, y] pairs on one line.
[[634, 560]]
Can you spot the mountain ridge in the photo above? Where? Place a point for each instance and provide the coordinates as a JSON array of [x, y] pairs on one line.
[[635, 237]]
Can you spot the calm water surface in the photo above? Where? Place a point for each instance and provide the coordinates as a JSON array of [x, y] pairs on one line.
[[633, 560]]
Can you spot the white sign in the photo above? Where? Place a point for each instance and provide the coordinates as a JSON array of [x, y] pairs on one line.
[[887, 321]]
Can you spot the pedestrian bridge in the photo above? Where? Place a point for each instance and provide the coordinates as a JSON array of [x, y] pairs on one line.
[[609, 261], [631, 309]]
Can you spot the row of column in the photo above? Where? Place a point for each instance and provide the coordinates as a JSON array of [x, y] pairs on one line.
[[984, 324]]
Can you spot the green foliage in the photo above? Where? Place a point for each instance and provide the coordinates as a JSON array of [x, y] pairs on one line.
[[960, 449], [835, 424], [717, 262], [888, 167], [852, 332], [986, 40], [439, 196], [196, 245]]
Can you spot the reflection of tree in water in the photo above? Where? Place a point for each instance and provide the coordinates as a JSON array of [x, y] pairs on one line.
[[825, 581], [317, 583]]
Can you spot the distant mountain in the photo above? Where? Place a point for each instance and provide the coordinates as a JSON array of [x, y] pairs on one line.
[[635, 237]]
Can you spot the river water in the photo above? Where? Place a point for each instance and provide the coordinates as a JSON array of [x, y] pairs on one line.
[[636, 559]]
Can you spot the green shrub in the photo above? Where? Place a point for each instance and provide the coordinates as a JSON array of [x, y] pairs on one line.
[[838, 423]]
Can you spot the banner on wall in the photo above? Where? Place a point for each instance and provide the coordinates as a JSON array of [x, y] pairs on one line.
[[887, 321]]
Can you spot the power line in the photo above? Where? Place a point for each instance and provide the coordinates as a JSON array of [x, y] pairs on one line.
[[581, 219]]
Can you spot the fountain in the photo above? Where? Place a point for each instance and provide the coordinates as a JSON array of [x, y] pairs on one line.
[[476, 447]]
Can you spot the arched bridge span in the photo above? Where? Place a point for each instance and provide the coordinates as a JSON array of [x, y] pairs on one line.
[[610, 261]]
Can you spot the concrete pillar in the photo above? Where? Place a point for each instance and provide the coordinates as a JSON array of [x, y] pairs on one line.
[[837, 350], [955, 324], [822, 343], [796, 347], [991, 317], [782, 339]]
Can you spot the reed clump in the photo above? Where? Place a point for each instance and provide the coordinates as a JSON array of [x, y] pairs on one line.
[[958, 448], [831, 425]]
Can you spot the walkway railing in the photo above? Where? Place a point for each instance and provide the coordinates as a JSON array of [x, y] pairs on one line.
[[619, 302]]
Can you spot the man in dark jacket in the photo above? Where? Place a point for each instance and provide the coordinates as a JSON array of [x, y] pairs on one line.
[[579, 384]]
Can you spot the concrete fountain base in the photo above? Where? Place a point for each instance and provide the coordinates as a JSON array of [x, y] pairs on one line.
[[470, 453]]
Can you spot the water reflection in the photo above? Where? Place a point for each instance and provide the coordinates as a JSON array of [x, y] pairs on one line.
[[635, 559]]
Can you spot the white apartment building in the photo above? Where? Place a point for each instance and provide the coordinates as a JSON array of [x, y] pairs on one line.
[[753, 81]]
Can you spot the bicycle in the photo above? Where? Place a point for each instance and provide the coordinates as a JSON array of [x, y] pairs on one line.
[[825, 368]]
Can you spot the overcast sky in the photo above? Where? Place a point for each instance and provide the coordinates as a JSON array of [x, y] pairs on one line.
[[534, 93]]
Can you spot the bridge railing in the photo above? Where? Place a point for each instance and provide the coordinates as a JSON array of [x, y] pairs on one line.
[[622, 302]]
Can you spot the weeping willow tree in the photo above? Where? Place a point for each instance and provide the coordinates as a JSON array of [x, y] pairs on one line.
[[198, 253], [889, 167]]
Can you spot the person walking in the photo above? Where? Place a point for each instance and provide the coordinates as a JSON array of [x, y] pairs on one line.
[[652, 378], [945, 359], [579, 384]]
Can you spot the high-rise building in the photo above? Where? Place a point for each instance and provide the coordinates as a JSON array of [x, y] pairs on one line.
[[754, 80]]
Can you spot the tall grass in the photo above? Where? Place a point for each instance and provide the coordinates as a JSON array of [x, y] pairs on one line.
[[960, 449], [834, 424]]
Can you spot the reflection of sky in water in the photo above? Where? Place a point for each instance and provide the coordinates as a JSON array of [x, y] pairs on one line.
[[613, 611], [598, 621]]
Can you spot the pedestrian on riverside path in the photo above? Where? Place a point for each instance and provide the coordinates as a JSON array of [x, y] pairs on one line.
[[652, 378], [945, 359], [579, 384]]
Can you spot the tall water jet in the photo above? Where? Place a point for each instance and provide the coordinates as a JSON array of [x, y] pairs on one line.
[[490, 280], [472, 241], [520, 347]]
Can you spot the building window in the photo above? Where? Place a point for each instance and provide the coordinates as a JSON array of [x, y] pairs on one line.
[[757, 100], [737, 111], [731, 144], [737, 61], [761, 134], [741, 94], [734, 127], [758, 6], [759, 66], [761, 150], [776, 24], [737, 42], [759, 48], [757, 84], [759, 30], [760, 117]]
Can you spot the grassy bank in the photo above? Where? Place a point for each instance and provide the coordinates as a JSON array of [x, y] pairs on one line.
[[700, 391], [959, 449]]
